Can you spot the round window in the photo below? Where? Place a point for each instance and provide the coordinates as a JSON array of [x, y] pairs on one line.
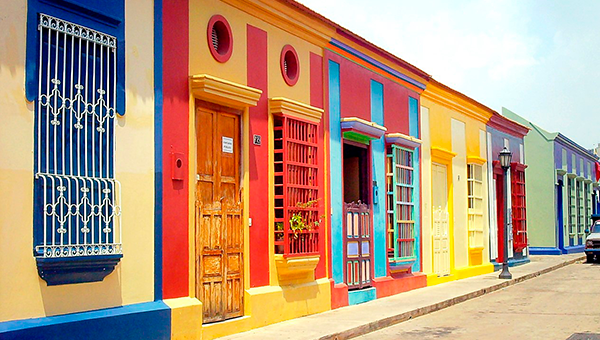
[[290, 66], [220, 39]]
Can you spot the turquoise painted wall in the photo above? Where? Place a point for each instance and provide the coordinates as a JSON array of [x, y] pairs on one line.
[[335, 173], [378, 161], [414, 129]]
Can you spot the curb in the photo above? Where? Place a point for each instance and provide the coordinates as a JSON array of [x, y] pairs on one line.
[[395, 319]]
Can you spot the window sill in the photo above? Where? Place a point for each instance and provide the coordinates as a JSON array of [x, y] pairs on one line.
[[68, 270], [401, 264]]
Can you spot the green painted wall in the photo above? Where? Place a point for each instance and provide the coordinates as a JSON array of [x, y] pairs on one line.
[[539, 184]]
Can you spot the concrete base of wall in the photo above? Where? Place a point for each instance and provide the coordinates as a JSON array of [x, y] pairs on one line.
[[544, 251], [465, 272], [434, 279], [362, 295], [511, 263], [271, 304], [149, 320], [186, 318], [460, 273], [339, 294], [573, 249], [387, 286]]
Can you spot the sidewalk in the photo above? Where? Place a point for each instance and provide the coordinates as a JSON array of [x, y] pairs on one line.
[[352, 321]]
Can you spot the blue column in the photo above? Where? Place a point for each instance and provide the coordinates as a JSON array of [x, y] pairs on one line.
[[378, 161], [335, 173], [414, 129]]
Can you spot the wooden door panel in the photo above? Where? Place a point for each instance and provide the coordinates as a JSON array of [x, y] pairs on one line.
[[219, 227]]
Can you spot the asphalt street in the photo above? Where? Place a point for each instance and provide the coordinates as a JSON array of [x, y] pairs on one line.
[[556, 305]]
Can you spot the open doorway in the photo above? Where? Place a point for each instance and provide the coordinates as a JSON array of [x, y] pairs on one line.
[[357, 221], [356, 169]]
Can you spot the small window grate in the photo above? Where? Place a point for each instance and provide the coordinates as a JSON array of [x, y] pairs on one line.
[[215, 38]]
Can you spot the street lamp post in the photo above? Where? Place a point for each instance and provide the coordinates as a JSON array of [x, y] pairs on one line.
[[505, 158]]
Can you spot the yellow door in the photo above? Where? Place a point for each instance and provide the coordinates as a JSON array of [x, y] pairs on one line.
[[441, 225]]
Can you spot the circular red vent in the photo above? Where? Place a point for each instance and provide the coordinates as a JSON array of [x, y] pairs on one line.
[[290, 65], [220, 39]]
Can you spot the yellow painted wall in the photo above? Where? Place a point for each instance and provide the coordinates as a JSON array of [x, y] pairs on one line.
[[273, 303], [235, 70], [441, 109], [22, 293]]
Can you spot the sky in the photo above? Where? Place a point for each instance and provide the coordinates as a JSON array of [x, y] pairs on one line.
[[538, 58]]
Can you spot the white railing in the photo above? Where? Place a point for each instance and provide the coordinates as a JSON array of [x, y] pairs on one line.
[[77, 198]]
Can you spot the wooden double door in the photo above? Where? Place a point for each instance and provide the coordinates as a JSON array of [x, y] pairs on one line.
[[219, 228]]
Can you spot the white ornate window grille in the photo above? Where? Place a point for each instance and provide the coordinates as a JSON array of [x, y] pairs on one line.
[[475, 204], [77, 198]]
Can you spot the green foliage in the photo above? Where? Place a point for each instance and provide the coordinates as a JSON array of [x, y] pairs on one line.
[[298, 223]]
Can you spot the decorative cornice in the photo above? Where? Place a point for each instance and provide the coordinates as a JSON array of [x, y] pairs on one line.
[[442, 154], [571, 175], [568, 142], [363, 127], [224, 92], [561, 172], [402, 140], [476, 160], [587, 181], [288, 107], [518, 166], [289, 17], [441, 94], [507, 125], [580, 178], [377, 64]]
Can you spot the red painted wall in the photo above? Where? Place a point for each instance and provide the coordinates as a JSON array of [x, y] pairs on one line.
[[355, 90], [175, 139], [259, 167], [316, 100], [395, 109], [356, 95]]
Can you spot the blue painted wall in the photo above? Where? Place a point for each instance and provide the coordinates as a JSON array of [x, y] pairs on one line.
[[414, 129], [335, 173], [378, 162], [150, 320]]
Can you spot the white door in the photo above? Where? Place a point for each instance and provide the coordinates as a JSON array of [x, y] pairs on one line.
[[441, 226]]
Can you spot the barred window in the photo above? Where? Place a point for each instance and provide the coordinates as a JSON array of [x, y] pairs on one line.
[[77, 198], [400, 204], [588, 202], [572, 207], [475, 205], [519, 210], [296, 187]]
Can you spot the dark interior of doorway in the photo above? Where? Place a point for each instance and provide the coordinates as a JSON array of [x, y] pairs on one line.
[[356, 185]]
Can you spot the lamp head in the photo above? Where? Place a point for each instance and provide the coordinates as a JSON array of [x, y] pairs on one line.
[[505, 158]]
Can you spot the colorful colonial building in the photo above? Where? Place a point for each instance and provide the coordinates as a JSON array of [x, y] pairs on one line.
[[374, 171], [455, 191], [559, 181], [196, 168], [243, 195], [506, 133], [77, 212]]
